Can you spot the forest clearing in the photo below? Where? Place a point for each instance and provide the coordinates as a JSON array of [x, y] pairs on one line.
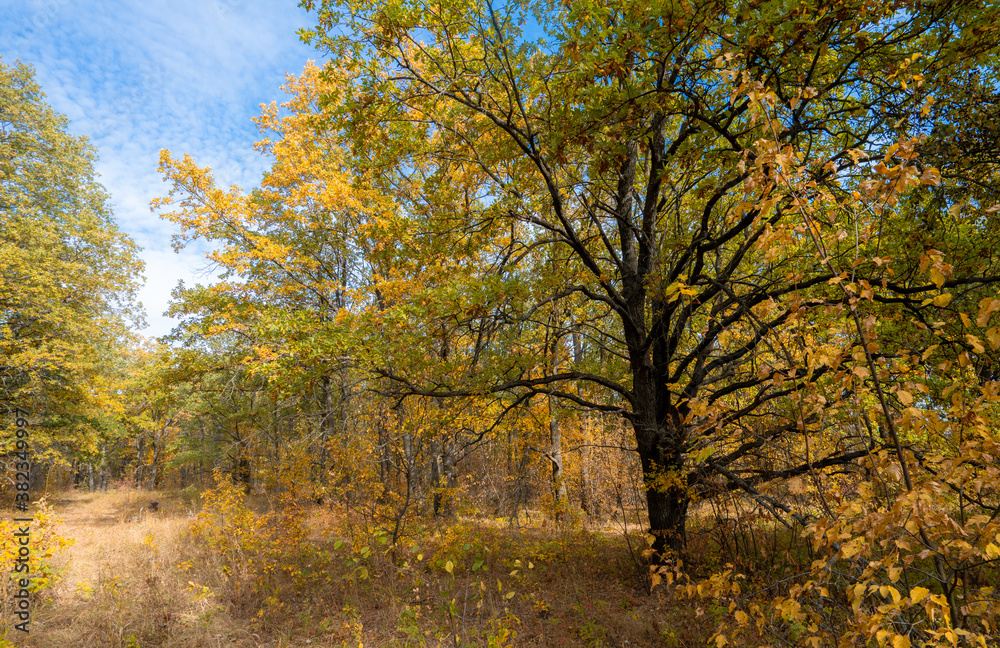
[[583, 323], [138, 579]]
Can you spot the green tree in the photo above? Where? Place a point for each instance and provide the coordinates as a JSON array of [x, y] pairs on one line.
[[726, 189], [68, 276]]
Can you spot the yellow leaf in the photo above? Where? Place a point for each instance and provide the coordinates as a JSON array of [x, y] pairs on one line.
[[993, 335], [900, 641], [449, 566], [987, 306], [741, 617], [942, 300], [918, 594], [937, 277], [906, 398], [703, 454], [720, 641], [925, 110]]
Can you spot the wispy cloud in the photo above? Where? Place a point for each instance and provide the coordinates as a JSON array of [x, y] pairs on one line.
[[138, 76]]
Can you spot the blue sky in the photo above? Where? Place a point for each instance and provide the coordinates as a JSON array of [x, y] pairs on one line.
[[136, 76]]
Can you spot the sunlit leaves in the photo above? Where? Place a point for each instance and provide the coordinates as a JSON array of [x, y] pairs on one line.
[[68, 276]]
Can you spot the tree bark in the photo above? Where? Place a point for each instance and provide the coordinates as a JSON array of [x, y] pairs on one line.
[[140, 451], [154, 468], [666, 500], [585, 502], [556, 457]]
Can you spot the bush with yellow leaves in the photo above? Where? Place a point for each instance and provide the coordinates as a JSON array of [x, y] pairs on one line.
[[249, 557], [41, 545]]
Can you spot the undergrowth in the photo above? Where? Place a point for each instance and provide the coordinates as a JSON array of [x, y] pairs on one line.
[[257, 571]]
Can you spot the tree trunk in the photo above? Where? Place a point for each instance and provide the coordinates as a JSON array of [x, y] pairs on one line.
[[139, 459], [325, 427], [437, 480], [415, 482], [444, 476], [244, 474], [585, 502], [660, 434], [556, 457], [156, 463], [666, 498], [38, 477]]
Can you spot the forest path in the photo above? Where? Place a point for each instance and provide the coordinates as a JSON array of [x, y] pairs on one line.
[[120, 555], [107, 528]]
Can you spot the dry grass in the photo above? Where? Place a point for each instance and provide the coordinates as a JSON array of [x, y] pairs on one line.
[[120, 582], [127, 583]]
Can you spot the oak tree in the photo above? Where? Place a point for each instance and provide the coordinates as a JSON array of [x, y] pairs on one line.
[[726, 189], [68, 275]]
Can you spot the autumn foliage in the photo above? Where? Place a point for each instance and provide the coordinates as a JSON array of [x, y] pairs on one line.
[[720, 272]]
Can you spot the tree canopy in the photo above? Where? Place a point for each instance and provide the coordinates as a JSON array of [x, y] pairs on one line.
[[729, 196], [68, 276]]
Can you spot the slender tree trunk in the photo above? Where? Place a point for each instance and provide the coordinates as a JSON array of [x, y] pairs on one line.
[[139, 460], [326, 426], [155, 467], [411, 467], [585, 502], [385, 460], [451, 479], [201, 467], [556, 457], [437, 482]]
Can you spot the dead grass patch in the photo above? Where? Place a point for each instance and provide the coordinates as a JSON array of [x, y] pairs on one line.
[[143, 582]]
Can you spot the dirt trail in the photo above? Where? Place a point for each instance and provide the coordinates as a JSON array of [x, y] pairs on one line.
[[98, 525], [116, 541]]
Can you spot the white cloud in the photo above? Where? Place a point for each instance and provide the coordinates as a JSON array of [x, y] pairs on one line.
[[137, 76]]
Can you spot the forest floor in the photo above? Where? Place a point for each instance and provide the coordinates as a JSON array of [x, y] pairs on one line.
[[133, 578]]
